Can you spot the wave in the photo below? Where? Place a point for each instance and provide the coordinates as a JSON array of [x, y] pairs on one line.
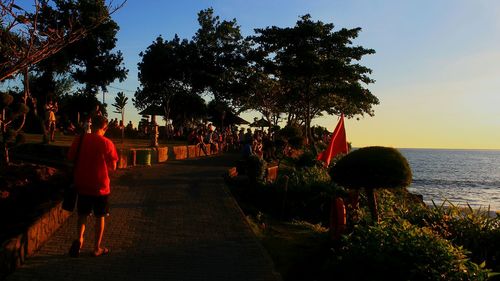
[[455, 183]]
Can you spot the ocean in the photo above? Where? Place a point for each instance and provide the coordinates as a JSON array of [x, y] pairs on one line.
[[458, 176]]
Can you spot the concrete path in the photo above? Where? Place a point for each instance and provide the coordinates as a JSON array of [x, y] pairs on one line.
[[174, 221]]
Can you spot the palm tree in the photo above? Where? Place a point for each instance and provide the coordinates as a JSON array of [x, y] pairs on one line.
[[119, 105]]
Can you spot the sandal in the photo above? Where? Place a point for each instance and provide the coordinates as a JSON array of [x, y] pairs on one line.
[[102, 252], [74, 250]]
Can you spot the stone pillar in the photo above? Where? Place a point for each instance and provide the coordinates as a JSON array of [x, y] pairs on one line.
[[154, 132]]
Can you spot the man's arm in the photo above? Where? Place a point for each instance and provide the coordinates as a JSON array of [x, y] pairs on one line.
[[112, 155]]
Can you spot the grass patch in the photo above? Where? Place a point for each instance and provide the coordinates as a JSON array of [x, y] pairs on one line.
[[297, 248]]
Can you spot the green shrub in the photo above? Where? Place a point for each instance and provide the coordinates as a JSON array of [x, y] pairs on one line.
[[398, 250], [289, 132], [307, 159], [296, 142], [475, 230], [309, 193], [303, 178], [371, 168], [292, 135], [298, 249], [297, 193], [256, 169]]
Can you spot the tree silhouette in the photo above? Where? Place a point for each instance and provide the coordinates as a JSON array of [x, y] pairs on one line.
[[25, 42], [119, 105], [317, 69]]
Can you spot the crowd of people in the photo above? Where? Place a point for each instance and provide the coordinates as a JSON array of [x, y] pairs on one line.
[[258, 142], [230, 138]]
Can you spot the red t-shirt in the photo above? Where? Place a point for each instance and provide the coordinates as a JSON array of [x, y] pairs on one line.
[[97, 153]]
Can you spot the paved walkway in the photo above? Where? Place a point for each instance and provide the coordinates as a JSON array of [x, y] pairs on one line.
[[175, 221]]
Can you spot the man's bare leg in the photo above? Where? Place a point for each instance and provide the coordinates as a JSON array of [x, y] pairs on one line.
[[99, 232], [74, 250], [82, 221]]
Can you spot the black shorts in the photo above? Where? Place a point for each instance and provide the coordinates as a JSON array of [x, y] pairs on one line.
[[99, 205]]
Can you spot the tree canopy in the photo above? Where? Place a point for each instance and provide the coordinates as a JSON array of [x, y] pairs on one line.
[[300, 72], [27, 38], [163, 72], [90, 61], [317, 69], [220, 58]]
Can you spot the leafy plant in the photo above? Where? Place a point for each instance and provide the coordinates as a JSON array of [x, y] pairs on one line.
[[298, 249], [371, 168], [256, 169], [475, 230], [292, 136], [398, 250], [307, 159], [308, 193]]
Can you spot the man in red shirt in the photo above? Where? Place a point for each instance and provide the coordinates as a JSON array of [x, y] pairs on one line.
[[96, 157]]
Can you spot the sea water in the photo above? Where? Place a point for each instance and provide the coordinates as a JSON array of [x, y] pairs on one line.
[[459, 176]]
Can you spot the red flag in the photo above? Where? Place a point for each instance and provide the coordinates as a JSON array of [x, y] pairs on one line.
[[338, 143]]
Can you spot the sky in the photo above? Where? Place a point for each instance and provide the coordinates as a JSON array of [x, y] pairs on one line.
[[436, 66]]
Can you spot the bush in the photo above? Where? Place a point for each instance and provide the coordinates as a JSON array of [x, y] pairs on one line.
[[309, 193], [297, 193], [298, 249], [292, 135], [307, 159], [256, 169], [289, 132], [475, 230], [398, 250], [372, 167]]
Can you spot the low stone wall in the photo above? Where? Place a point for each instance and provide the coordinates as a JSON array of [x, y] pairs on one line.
[[162, 153], [179, 152], [129, 158], [14, 251], [193, 151]]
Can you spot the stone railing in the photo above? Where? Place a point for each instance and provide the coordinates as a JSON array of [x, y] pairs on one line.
[[148, 156]]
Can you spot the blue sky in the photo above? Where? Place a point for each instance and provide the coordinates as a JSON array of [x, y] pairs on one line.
[[436, 68], [437, 63]]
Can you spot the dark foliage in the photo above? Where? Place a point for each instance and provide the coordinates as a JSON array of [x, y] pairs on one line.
[[372, 167]]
